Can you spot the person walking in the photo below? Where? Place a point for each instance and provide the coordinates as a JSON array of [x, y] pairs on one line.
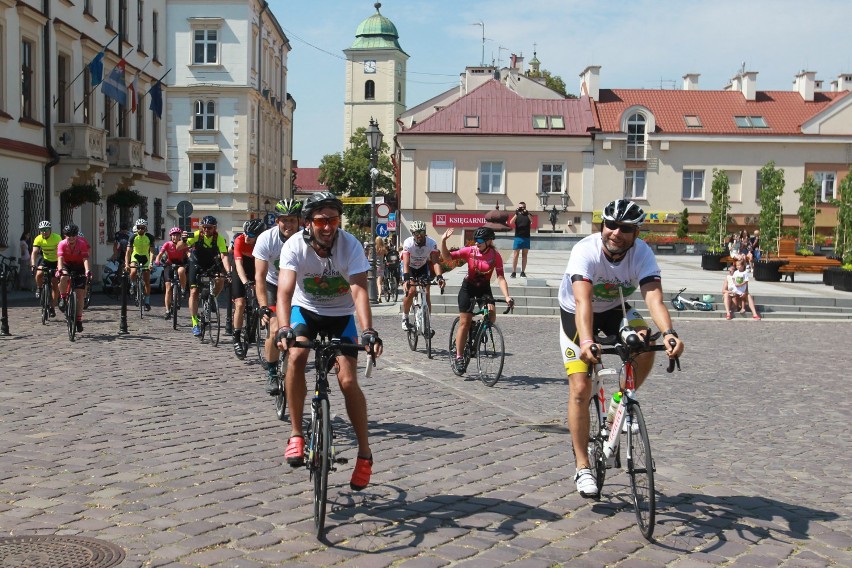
[[24, 262], [522, 222]]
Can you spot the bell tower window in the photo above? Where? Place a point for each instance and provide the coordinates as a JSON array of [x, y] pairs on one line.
[[369, 90]]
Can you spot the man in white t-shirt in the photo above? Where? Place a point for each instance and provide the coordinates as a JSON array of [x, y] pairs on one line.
[[420, 258], [589, 303], [322, 281], [267, 252]]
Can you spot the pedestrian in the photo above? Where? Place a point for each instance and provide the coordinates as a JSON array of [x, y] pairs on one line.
[[24, 262], [738, 295], [522, 222], [381, 251], [554, 216]]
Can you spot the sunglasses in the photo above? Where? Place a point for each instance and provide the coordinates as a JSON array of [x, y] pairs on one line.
[[141, 228], [322, 222], [625, 229], [208, 227], [480, 241], [250, 235]]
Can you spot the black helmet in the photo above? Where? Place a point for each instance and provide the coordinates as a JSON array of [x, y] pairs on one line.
[[485, 233], [209, 220], [254, 227], [320, 200], [71, 230], [624, 211]]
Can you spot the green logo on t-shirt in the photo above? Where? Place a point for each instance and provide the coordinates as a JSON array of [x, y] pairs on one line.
[[609, 290], [326, 285]]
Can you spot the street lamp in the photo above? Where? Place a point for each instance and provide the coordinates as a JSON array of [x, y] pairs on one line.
[[374, 141]]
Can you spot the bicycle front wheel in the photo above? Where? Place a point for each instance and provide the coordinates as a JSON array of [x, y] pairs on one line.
[[640, 468], [427, 330], [281, 397], [320, 464], [678, 305], [490, 354], [71, 314], [413, 332], [175, 291], [214, 326], [45, 304], [597, 461], [140, 295]]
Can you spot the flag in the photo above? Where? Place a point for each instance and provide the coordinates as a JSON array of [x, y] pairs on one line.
[[133, 89], [114, 86], [156, 105], [96, 69]]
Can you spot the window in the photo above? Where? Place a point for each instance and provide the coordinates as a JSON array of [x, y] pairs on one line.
[[369, 90], [140, 25], [758, 185], [636, 137], [108, 14], [27, 78], [140, 124], [205, 115], [2, 67], [155, 134], [750, 122], [121, 120], [206, 47], [557, 123], [155, 29], [693, 184], [399, 92], [441, 176], [539, 121], [551, 178], [692, 121], [87, 7], [634, 184], [87, 95], [826, 183], [491, 177], [62, 72], [122, 19], [203, 176], [471, 122]]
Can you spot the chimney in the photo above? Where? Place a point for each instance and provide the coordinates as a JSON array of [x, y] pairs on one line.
[[804, 85], [749, 85], [590, 80], [517, 62], [690, 81], [843, 82]]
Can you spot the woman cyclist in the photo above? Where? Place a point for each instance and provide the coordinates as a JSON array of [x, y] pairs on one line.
[[173, 253], [73, 262], [482, 261]]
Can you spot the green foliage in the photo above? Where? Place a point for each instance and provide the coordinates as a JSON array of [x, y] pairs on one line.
[[772, 188], [719, 207], [125, 198], [807, 211], [683, 226], [843, 233], [348, 175], [805, 252], [80, 193], [551, 81]]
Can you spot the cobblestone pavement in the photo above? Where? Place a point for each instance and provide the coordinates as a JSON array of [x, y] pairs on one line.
[[171, 450]]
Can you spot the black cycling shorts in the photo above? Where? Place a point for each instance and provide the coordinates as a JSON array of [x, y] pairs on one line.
[[469, 292], [238, 289], [196, 268]]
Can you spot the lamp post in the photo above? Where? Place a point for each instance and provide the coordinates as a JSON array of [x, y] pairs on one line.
[[374, 141]]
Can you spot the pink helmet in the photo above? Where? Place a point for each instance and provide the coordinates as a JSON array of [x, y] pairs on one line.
[[175, 231]]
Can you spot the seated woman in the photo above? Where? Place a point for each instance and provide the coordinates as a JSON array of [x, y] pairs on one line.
[[736, 291]]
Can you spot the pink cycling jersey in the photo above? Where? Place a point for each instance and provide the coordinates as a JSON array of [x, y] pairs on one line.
[[73, 255], [175, 256], [480, 266]]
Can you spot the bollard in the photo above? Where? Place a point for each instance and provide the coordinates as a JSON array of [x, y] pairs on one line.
[[125, 282], [4, 300]]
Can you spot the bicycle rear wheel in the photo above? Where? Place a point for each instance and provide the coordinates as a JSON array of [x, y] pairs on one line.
[[320, 463], [214, 326], [71, 313], [281, 397], [597, 461], [640, 468], [490, 353], [413, 332], [427, 330]]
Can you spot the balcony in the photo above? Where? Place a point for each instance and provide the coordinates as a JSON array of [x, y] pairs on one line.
[[126, 159], [81, 142]]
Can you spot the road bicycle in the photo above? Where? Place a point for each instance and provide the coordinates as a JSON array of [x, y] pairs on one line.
[[484, 342], [390, 283], [46, 295], [604, 438], [208, 308], [71, 301], [175, 293], [680, 303], [422, 325], [137, 288], [320, 455]]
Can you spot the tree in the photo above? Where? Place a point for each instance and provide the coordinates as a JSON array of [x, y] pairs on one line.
[[719, 207], [772, 188], [551, 81], [843, 233], [348, 175], [807, 212], [683, 226]]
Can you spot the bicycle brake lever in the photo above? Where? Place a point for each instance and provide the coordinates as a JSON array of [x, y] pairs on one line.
[[673, 362]]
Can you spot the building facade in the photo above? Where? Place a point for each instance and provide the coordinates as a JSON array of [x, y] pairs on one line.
[[230, 119]]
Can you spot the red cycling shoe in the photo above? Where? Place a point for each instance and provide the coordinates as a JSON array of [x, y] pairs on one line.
[[361, 475], [295, 453]]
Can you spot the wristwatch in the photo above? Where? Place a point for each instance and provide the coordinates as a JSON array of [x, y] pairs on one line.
[[670, 332]]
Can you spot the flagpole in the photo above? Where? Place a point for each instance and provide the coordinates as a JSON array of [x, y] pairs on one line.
[[92, 90], [56, 99], [123, 58]]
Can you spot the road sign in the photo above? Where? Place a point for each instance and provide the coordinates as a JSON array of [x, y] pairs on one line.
[[381, 230], [269, 219], [184, 208], [392, 216], [366, 200], [382, 210], [391, 225]]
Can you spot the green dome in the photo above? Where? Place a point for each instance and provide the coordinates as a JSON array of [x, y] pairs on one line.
[[376, 32]]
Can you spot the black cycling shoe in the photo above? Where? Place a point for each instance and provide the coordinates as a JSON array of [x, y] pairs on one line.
[[61, 304], [168, 315], [79, 326], [271, 384], [147, 307], [52, 312], [238, 348]]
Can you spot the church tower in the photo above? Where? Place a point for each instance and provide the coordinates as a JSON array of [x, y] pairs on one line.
[[375, 78]]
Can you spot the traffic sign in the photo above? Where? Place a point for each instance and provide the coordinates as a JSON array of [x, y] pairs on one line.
[[269, 219], [184, 208], [382, 210], [381, 230], [391, 225], [392, 216]]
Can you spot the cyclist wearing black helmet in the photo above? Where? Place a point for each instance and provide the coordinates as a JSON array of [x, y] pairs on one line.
[[322, 281], [139, 256], [208, 250], [73, 262], [242, 273], [589, 302], [267, 252], [483, 260]]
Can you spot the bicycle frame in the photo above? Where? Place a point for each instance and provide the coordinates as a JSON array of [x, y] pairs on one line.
[[422, 315], [680, 303]]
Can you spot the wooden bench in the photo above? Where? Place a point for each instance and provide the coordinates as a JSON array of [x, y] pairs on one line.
[[800, 263]]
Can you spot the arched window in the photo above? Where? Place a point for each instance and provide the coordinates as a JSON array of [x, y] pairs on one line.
[[399, 92], [369, 90], [636, 137], [205, 115]]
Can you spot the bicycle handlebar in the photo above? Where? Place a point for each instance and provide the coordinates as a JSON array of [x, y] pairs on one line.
[[625, 351]]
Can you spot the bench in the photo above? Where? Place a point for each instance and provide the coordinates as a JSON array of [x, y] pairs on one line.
[[800, 263]]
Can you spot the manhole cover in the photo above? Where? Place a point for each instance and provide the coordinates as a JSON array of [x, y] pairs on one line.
[[48, 551]]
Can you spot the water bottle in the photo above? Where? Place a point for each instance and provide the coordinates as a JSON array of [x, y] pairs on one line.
[[613, 406]]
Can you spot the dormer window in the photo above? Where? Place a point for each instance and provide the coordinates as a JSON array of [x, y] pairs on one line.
[[471, 121], [543, 122], [750, 122], [692, 121]]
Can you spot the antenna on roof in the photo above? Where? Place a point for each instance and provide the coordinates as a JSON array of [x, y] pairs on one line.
[[482, 25]]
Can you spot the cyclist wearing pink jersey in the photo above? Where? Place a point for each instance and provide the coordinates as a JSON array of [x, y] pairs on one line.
[[73, 262], [173, 253], [483, 261]]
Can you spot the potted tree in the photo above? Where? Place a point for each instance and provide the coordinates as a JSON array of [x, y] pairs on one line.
[[78, 194], [843, 237], [772, 188], [807, 216], [711, 259]]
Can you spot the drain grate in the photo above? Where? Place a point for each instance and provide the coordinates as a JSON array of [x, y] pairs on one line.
[[49, 551]]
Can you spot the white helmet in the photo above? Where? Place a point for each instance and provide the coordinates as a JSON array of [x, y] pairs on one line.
[[416, 226], [44, 225], [141, 223]]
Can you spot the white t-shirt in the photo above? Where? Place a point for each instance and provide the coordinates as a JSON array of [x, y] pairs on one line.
[[587, 260], [322, 284], [418, 256], [738, 284], [268, 247]]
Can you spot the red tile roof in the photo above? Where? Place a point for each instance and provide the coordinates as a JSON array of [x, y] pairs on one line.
[[502, 111], [307, 180], [784, 111]]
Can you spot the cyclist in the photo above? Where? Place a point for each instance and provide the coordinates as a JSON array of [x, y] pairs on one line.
[[483, 260], [243, 272], [44, 246], [322, 281], [119, 244], [419, 255], [267, 252], [208, 250], [173, 253], [139, 256], [589, 303], [73, 261]]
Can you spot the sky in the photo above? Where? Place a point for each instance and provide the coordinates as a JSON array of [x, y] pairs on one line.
[[645, 44]]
